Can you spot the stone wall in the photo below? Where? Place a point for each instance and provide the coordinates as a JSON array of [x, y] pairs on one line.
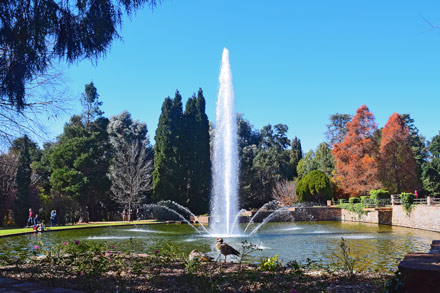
[[421, 217], [375, 216]]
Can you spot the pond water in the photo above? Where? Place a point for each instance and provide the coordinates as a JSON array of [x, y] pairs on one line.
[[376, 247]]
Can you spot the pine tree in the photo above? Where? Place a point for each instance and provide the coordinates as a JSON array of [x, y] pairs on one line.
[[398, 168], [81, 158], [23, 180], [355, 157]]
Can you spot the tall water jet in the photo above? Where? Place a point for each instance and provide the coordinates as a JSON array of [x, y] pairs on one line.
[[224, 203]]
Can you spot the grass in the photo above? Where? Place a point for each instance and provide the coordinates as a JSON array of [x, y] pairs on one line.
[[17, 231]]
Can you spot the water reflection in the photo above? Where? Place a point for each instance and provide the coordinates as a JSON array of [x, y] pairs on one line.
[[375, 247]]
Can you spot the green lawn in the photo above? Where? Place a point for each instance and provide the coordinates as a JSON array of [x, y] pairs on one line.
[[14, 231]]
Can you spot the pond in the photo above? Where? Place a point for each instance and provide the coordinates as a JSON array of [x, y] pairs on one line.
[[376, 247]]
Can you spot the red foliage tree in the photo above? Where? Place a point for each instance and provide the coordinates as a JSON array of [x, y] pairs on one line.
[[397, 166], [356, 166]]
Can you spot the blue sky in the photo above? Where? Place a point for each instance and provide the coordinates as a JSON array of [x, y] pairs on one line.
[[293, 62]]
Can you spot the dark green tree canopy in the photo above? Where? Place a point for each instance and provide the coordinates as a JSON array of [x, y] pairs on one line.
[[315, 187], [32, 33], [434, 146]]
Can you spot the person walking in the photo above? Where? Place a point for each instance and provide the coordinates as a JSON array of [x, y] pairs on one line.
[[30, 220], [36, 220], [53, 214]]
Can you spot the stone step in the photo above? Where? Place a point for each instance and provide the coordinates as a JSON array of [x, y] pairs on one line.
[[421, 272]]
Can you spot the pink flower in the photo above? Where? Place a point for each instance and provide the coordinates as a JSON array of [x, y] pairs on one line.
[[36, 247], [156, 251], [65, 243], [113, 247], [76, 242], [109, 251], [108, 254], [119, 252], [81, 273]]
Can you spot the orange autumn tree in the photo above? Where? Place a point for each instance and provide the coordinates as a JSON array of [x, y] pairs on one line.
[[397, 166], [356, 166]]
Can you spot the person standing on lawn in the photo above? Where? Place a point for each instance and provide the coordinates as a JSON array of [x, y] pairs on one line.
[[36, 220], [53, 214], [30, 220]]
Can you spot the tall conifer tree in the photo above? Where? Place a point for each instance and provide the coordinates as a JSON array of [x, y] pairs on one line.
[[23, 180], [197, 161], [355, 161], [398, 168], [295, 155], [168, 175]]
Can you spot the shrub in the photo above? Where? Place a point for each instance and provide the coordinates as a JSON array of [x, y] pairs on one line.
[[341, 201], [353, 200], [407, 200], [364, 199], [315, 186], [378, 194]]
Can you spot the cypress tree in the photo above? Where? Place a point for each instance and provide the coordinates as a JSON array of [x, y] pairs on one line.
[[295, 155], [168, 175], [197, 154], [23, 180]]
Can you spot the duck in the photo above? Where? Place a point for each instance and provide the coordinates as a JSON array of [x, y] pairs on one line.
[[225, 248], [196, 255]]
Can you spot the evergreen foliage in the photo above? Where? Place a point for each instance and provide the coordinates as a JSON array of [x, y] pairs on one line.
[[197, 161], [431, 169], [248, 142], [417, 143], [324, 158], [80, 162], [23, 180], [315, 187], [169, 175], [34, 33], [296, 155], [378, 194], [307, 164], [272, 161]]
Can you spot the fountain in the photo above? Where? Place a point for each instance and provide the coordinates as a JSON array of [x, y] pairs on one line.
[[224, 203], [224, 199]]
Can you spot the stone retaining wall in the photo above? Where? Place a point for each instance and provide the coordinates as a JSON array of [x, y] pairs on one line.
[[421, 217], [375, 216]]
